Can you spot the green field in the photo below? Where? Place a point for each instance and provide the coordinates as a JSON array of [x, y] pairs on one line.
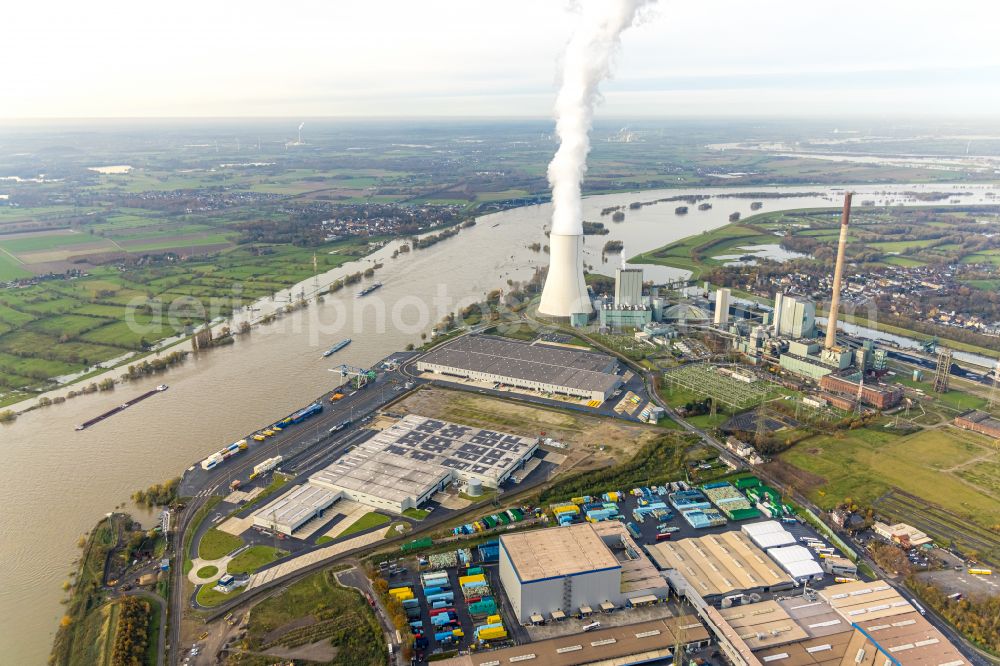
[[215, 544], [695, 253], [254, 558], [207, 571], [416, 514], [946, 466], [11, 268], [365, 522]]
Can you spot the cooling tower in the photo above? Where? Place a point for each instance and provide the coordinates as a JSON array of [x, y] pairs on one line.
[[565, 292], [838, 275]]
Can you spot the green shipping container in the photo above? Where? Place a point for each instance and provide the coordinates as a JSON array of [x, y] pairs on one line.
[[747, 482], [744, 514], [485, 607], [417, 544]]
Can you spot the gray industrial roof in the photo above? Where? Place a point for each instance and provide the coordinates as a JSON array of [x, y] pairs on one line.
[[296, 506], [538, 363], [414, 454]]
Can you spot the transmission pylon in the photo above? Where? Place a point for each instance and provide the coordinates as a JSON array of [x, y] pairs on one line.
[[761, 434], [942, 373]]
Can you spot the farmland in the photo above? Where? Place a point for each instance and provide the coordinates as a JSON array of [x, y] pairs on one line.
[[56, 328], [945, 466]]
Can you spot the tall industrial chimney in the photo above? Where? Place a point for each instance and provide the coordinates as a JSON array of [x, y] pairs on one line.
[[838, 275], [565, 292]]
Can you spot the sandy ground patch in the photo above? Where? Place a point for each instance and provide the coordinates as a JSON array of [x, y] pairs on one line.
[[236, 526]]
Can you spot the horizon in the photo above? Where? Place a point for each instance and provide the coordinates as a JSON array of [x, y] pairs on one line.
[[437, 60]]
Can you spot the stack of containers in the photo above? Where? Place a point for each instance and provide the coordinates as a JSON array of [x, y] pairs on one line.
[[483, 608], [662, 515], [448, 636], [566, 513], [491, 631], [401, 593], [607, 511], [613, 496], [649, 507], [444, 618], [474, 586], [582, 500], [412, 608]]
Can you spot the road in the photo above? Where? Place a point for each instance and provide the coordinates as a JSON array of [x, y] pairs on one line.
[[357, 579]]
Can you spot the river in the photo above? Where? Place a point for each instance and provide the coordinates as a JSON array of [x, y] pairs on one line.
[[56, 483]]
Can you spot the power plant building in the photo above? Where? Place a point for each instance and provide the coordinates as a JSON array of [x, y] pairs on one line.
[[849, 383], [562, 569], [794, 316], [628, 287], [537, 367], [980, 422], [806, 358], [629, 317], [722, 307]]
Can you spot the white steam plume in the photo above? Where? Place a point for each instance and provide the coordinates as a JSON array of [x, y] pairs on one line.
[[586, 62], [301, 125]]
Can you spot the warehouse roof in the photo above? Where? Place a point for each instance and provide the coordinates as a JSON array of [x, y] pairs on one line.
[[645, 641], [558, 551], [390, 477], [860, 601], [909, 638], [801, 632], [536, 363], [763, 624], [638, 572], [296, 506], [414, 454], [719, 563]]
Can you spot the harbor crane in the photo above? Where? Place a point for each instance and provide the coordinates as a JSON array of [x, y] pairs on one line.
[[360, 375]]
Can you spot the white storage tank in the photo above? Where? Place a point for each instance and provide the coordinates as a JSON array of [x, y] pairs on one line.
[[474, 488]]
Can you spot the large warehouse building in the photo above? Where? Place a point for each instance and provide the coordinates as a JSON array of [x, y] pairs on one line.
[[852, 624], [401, 467], [718, 565], [564, 569], [537, 367]]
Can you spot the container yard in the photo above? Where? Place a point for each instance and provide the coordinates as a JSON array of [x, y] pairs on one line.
[[730, 501], [452, 603], [299, 416]]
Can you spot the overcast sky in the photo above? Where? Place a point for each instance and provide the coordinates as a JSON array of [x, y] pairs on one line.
[[463, 57]]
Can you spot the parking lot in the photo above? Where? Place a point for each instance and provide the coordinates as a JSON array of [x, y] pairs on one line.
[[410, 577]]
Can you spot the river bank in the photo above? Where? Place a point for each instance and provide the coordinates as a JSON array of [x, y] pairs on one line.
[[60, 480]]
